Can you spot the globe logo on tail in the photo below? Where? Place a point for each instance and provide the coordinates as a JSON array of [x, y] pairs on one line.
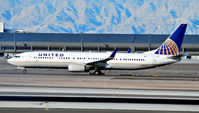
[[169, 47]]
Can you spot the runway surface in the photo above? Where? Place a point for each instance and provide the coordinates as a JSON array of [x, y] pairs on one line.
[[95, 106], [175, 76], [169, 82], [9, 93], [17, 110]]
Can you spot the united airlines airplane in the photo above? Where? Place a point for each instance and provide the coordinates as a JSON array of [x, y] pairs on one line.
[[167, 53]]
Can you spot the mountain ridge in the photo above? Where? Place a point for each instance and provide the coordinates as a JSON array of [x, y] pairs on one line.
[[100, 16]]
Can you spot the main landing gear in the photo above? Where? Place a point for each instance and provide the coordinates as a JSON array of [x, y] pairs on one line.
[[96, 72]]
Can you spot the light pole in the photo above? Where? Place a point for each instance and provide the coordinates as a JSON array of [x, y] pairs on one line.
[[81, 36], [14, 41], [149, 41], [133, 40]]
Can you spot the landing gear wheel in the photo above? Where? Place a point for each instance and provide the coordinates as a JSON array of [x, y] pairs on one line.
[[90, 73], [98, 73]]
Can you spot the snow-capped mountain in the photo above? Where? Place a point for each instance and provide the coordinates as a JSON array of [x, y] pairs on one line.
[[100, 16]]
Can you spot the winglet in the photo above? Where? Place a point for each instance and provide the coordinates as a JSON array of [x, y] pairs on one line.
[[129, 50], [113, 54], [104, 60]]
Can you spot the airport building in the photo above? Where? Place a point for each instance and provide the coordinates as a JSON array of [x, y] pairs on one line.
[[12, 42]]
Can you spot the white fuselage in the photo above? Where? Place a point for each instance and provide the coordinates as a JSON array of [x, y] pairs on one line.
[[50, 59]]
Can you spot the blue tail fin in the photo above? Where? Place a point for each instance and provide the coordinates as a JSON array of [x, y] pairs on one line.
[[173, 44]]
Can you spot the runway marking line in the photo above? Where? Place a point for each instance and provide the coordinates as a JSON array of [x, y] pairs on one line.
[[155, 75]]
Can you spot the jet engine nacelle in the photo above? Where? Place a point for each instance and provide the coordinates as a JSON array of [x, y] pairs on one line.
[[77, 68]]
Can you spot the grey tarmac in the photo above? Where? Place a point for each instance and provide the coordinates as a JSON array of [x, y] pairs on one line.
[[30, 110], [174, 77]]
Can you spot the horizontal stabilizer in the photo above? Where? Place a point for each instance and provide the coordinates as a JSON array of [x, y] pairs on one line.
[[178, 56]]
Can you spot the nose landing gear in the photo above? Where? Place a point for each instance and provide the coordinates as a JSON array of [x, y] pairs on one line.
[[22, 68], [24, 71]]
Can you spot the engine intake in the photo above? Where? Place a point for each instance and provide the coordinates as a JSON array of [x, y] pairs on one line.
[[77, 68]]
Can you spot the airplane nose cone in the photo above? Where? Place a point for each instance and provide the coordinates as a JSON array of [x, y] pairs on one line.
[[9, 61]]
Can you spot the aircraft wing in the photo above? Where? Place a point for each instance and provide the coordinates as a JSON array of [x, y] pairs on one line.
[[104, 61]]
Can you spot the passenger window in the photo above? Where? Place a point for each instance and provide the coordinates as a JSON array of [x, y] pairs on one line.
[[16, 56]]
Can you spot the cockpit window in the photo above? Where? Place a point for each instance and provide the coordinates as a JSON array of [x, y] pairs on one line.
[[16, 56]]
